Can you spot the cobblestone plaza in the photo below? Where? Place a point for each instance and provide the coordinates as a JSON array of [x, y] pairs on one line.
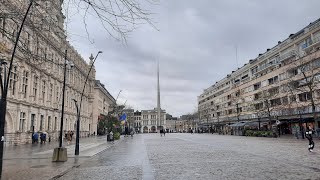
[[202, 156]]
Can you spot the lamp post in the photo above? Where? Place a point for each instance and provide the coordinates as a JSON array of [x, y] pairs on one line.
[[208, 123], [93, 60], [259, 122], [4, 85], [238, 111], [60, 153], [77, 139]]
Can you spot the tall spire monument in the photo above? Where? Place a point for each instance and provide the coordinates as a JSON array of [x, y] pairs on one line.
[[158, 100]]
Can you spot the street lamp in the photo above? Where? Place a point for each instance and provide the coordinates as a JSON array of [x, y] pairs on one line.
[[77, 139], [4, 85], [93, 60], [60, 153]]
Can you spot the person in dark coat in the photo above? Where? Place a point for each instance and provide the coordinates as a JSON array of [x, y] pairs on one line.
[[35, 137], [309, 137], [126, 129]]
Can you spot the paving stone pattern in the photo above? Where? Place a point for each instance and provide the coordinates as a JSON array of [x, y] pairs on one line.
[[202, 156]]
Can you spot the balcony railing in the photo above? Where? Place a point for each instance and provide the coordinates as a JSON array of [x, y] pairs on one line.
[[273, 62], [287, 55], [315, 42]]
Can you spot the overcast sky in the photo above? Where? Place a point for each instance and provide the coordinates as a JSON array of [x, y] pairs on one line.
[[195, 45]]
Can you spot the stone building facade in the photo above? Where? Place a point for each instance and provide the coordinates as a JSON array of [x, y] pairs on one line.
[[101, 103], [36, 80], [274, 87], [149, 120]]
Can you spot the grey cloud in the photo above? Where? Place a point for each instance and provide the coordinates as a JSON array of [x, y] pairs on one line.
[[195, 46]]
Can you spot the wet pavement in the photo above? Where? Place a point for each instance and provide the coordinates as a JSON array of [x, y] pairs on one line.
[[201, 156], [33, 161]]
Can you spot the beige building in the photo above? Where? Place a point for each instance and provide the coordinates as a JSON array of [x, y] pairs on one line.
[[137, 121], [274, 86], [149, 121], [35, 86], [101, 102]]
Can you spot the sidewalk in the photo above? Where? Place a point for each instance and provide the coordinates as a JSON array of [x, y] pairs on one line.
[[33, 161]]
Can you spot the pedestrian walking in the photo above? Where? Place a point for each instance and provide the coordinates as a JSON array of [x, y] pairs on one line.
[[126, 131], [35, 138], [309, 137], [164, 132], [69, 137]]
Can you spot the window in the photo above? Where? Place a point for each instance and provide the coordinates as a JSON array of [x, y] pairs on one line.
[[35, 87], [44, 91], [3, 26], [230, 111], [41, 122], [254, 70], [275, 102], [285, 100], [55, 123], [145, 116], [49, 123], [229, 96], [257, 96], [257, 86], [245, 76], [258, 106], [50, 92], [27, 43], [13, 80], [273, 80], [33, 117], [282, 76], [57, 95], [305, 97], [25, 83], [22, 121], [153, 117], [237, 93]]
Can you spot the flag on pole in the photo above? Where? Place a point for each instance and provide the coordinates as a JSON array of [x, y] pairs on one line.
[[123, 117]]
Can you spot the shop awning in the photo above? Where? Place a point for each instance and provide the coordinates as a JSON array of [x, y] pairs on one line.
[[255, 124], [239, 124]]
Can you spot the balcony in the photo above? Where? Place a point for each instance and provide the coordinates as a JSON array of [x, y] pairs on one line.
[[287, 55], [272, 63], [315, 43]]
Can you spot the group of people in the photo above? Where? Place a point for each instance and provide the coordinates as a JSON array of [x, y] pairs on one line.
[[127, 132], [162, 131], [43, 138]]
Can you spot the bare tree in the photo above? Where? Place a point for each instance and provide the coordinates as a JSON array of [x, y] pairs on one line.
[[304, 77]]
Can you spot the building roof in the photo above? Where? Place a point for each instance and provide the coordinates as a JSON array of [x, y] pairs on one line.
[[104, 90]]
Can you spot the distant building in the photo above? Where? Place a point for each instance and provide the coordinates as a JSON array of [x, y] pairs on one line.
[[273, 87], [149, 120], [101, 103]]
